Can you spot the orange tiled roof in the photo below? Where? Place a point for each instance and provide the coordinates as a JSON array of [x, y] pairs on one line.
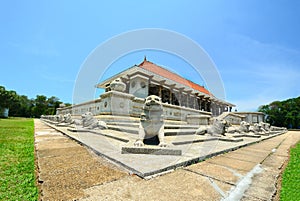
[[147, 65]]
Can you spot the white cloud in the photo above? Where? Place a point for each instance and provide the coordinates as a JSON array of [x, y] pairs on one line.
[[262, 74]]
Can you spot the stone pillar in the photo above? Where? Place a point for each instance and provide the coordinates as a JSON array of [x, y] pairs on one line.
[[213, 108], [179, 98], [218, 109], [222, 108], [208, 106], [159, 91], [187, 100], [199, 103]]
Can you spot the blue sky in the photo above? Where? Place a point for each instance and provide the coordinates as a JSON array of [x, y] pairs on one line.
[[255, 45]]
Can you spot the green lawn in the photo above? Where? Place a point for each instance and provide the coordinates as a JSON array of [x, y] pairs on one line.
[[17, 170], [290, 189]]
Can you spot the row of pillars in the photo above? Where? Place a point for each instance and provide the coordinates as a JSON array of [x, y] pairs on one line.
[[187, 100]]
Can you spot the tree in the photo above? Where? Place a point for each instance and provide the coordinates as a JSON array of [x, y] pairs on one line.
[[283, 113], [40, 106], [22, 106]]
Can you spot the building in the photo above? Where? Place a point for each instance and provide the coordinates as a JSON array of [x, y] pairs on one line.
[[252, 117], [181, 98]]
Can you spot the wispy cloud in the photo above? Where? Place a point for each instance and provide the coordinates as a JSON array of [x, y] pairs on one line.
[[263, 73]]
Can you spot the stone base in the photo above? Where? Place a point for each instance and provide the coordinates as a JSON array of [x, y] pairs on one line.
[[81, 129], [196, 140], [247, 135], [63, 125], [151, 150], [230, 139]]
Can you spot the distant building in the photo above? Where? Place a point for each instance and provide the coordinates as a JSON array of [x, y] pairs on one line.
[[4, 112]]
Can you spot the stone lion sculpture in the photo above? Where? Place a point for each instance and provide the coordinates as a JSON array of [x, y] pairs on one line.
[[68, 118], [89, 122], [256, 128], [242, 128], [265, 127], [117, 85], [217, 128], [59, 118], [152, 121], [275, 128]]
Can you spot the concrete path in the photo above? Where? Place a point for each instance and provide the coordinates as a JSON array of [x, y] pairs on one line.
[[249, 173]]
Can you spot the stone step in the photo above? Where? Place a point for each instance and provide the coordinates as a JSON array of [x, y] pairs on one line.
[[180, 126], [124, 124], [119, 119], [168, 132], [167, 126], [127, 129], [129, 119], [172, 132]]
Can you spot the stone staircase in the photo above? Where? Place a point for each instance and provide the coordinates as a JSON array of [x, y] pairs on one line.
[[176, 132], [171, 127]]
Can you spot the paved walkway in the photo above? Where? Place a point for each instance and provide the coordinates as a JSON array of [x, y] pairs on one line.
[[249, 173]]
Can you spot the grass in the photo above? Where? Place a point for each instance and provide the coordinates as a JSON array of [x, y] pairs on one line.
[[290, 189], [17, 169]]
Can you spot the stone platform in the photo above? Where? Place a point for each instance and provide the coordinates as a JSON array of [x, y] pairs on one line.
[[153, 150], [111, 143]]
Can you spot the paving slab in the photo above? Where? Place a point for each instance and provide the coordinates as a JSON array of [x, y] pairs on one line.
[[248, 157], [275, 161], [264, 185], [233, 163], [218, 172], [180, 185]]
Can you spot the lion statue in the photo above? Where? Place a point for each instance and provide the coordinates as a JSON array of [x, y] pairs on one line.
[[279, 129], [59, 118], [242, 128], [68, 120], [217, 128], [256, 129], [89, 122], [117, 85], [265, 127], [152, 121]]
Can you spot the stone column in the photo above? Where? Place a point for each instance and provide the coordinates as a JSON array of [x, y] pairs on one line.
[[159, 91], [179, 98], [199, 103], [187, 100], [170, 97]]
